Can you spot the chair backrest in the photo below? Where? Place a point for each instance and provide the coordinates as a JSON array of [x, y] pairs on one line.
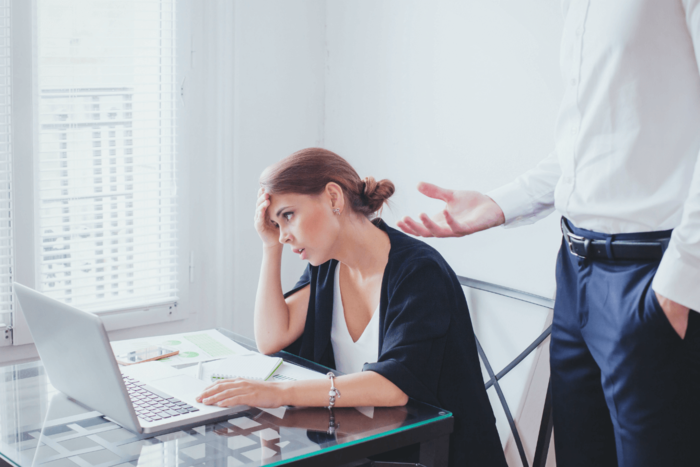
[[545, 431]]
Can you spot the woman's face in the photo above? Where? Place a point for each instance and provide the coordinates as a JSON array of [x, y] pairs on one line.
[[307, 224]]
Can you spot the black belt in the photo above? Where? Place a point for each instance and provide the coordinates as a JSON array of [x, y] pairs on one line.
[[624, 250]]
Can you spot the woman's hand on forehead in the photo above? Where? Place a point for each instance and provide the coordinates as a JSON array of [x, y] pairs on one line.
[[266, 228]]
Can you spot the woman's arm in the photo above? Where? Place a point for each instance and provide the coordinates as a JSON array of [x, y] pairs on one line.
[[277, 322], [365, 389]]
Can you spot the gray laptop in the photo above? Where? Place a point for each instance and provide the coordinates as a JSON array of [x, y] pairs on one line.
[[145, 398]]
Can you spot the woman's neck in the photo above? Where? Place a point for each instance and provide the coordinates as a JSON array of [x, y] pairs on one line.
[[363, 247]]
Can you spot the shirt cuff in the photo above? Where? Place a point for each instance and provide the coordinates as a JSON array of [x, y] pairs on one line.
[[677, 278], [514, 203]]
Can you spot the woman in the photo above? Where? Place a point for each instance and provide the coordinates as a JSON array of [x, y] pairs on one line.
[[374, 303]]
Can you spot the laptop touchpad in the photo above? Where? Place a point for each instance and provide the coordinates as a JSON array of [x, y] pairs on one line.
[[184, 387]]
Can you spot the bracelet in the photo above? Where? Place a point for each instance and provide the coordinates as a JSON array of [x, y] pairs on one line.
[[332, 426], [333, 393]]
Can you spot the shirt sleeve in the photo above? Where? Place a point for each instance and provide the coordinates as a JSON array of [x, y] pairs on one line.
[[415, 332], [529, 197], [679, 272]]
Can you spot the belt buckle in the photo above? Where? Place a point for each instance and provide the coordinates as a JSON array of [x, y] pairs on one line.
[[569, 235], [575, 237]]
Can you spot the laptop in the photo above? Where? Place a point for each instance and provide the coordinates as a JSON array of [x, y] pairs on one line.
[[148, 397]]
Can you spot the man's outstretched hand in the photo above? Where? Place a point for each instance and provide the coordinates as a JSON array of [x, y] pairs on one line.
[[465, 213]]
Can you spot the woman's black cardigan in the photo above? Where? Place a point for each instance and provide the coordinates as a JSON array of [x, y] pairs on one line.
[[426, 342]]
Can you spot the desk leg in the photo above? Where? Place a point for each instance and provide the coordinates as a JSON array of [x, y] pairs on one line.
[[434, 453]]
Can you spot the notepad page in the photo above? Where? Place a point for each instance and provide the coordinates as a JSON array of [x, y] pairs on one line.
[[249, 366], [290, 372]]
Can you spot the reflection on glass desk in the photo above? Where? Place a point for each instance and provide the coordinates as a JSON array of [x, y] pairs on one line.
[[41, 426]]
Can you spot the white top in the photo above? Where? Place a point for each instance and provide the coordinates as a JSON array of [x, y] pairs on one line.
[[351, 356], [628, 133]]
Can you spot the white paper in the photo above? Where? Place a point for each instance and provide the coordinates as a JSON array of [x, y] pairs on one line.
[[194, 347]]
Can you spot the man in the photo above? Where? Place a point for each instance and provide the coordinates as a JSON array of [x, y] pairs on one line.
[[624, 174]]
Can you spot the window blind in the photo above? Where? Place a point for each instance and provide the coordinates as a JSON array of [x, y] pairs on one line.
[[6, 250], [106, 187]]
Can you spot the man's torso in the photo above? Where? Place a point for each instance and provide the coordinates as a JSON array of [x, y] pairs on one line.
[[628, 133]]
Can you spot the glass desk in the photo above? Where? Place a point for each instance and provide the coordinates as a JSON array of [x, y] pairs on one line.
[[41, 426]]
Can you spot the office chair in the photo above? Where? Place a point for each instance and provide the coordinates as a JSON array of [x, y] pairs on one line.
[[545, 432]]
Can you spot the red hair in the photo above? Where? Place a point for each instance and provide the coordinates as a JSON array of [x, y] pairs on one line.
[[308, 172]]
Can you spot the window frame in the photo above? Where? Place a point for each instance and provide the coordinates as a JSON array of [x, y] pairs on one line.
[[25, 121], [6, 316]]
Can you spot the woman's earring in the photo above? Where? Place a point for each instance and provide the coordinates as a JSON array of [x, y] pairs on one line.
[[336, 211]]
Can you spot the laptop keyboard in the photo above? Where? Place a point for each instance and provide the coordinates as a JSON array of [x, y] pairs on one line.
[[152, 405]]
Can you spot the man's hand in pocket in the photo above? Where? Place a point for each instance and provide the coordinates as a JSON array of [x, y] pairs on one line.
[[676, 313]]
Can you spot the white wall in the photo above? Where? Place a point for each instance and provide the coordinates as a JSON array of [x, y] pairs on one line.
[[463, 94], [278, 109], [460, 93]]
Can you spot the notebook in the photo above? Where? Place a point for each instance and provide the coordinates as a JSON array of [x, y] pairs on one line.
[[250, 366]]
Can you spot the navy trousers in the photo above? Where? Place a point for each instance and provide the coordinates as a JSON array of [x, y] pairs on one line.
[[625, 386]]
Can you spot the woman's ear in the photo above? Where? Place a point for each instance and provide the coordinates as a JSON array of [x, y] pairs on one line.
[[336, 197]]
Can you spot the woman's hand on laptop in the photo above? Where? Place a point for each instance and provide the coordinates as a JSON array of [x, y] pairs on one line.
[[465, 213], [231, 392]]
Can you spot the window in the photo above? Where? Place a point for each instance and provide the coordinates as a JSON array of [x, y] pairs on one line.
[[88, 188], [106, 180]]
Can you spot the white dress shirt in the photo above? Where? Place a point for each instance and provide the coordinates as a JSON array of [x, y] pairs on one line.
[[628, 133], [351, 356]]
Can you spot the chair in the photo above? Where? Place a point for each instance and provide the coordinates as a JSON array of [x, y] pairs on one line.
[[545, 432]]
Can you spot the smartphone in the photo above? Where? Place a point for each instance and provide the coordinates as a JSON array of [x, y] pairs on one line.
[[146, 354]]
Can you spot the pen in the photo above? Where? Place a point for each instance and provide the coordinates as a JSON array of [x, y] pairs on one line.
[[199, 370]]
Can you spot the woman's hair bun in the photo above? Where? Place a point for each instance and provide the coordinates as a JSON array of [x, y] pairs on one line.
[[308, 172], [376, 193]]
